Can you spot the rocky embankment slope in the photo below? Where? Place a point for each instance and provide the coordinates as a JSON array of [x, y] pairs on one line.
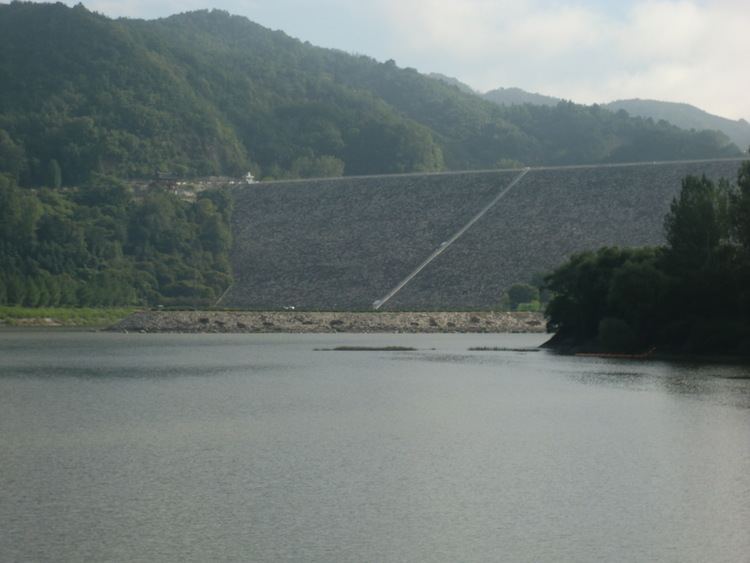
[[339, 244], [297, 322]]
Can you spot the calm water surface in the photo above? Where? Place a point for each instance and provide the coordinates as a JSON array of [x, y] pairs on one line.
[[258, 448]]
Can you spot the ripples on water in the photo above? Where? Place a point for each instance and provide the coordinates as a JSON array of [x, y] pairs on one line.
[[257, 448]]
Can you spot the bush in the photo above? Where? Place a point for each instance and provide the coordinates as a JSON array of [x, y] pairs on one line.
[[531, 307]]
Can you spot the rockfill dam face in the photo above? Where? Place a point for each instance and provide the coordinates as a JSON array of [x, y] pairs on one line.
[[348, 243]]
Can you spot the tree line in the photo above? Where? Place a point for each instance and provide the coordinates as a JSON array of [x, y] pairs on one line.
[[691, 295], [102, 245]]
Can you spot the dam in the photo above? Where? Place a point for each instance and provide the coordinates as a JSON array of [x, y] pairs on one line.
[[440, 241]]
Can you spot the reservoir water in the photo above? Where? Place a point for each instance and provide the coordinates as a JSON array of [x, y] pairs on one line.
[[119, 447]]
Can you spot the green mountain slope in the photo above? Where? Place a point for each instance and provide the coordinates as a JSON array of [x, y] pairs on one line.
[[87, 94], [686, 117], [208, 93]]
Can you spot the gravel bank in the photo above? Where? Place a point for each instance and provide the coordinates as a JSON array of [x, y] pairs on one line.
[[296, 322]]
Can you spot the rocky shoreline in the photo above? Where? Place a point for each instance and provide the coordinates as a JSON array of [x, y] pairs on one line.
[[321, 322]]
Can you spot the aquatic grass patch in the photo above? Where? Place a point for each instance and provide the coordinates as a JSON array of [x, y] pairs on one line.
[[367, 349], [501, 349]]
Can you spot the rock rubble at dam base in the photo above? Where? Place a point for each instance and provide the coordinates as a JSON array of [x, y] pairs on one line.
[[329, 322]]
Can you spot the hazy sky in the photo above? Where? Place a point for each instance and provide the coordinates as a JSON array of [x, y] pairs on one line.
[[589, 51]]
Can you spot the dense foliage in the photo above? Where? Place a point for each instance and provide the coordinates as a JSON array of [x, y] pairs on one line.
[[99, 245], [692, 295], [207, 93], [521, 297]]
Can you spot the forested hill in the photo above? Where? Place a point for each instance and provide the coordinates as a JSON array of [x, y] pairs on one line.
[[208, 93], [687, 117]]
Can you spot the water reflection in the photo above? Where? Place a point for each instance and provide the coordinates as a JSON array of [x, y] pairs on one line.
[[102, 371], [724, 384]]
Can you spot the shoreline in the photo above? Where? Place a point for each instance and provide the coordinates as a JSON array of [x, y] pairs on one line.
[[329, 322], [17, 317], [590, 351]]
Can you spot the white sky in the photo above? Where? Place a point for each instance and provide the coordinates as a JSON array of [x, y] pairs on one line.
[[588, 51]]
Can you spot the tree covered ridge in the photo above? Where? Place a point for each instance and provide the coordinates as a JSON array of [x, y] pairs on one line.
[[101, 245], [207, 93], [691, 295]]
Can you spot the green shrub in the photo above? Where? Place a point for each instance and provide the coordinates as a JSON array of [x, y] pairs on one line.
[[531, 307], [522, 293]]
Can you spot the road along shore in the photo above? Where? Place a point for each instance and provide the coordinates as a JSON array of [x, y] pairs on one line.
[[319, 322]]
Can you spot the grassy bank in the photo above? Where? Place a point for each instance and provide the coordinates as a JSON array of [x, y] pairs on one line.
[[63, 316]]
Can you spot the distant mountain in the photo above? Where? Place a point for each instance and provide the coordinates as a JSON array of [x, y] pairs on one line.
[[453, 82], [681, 115], [686, 117], [516, 96], [208, 93]]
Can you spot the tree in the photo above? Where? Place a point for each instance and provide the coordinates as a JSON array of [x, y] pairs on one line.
[[521, 293], [54, 174], [11, 156], [689, 296], [32, 294], [588, 288], [101, 246], [697, 224], [616, 335], [741, 208], [637, 292], [15, 290], [104, 190]]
